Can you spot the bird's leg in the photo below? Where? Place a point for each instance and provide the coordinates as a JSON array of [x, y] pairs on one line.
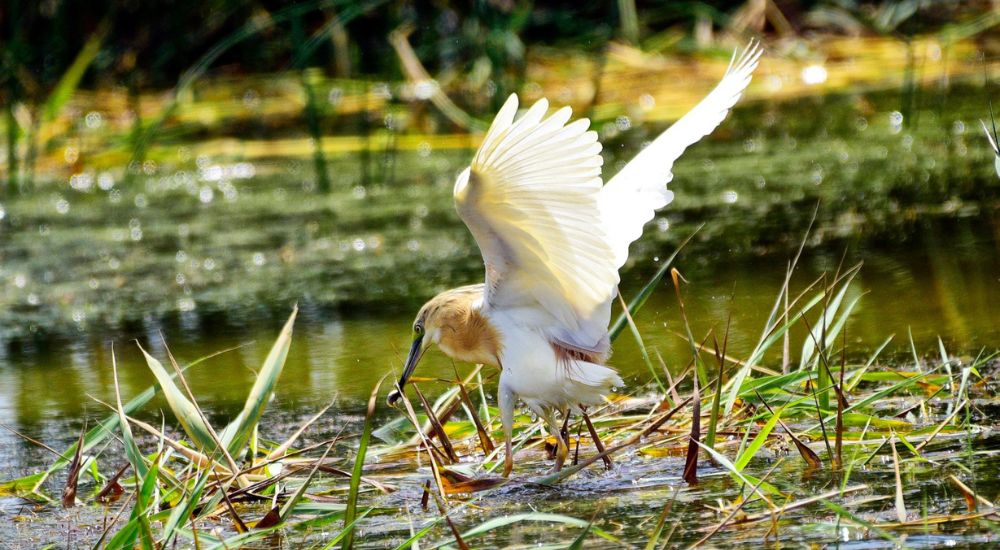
[[555, 428], [608, 464], [505, 399]]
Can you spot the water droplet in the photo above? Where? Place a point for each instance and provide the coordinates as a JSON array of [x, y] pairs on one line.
[[205, 195], [81, 182], [382, 91], [729, 197], [180, 279], [93, 120], [33, 299], [20, 280], [623, 123], [62, 206], [141, 201], [895, 122], [258, 259], [817, 175], [251, 99], [424, 89]]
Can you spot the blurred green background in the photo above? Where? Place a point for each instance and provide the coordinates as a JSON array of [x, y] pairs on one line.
[[186, 171]]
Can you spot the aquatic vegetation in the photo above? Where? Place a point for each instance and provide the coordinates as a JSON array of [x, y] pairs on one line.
[[861, 464]]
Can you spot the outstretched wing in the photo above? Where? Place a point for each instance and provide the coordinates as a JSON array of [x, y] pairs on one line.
[[630, 199], [530, 200]]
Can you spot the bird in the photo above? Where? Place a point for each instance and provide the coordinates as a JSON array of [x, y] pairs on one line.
[[552, 238]]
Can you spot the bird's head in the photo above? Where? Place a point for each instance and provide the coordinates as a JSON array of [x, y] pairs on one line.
[[444, 314]]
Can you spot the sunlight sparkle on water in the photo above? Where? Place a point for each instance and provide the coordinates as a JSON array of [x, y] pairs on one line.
[[814, 74], [895, 122]]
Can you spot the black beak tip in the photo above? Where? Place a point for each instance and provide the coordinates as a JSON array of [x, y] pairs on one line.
[[394, 397]]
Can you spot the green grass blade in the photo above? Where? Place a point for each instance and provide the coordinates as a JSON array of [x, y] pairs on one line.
[[347, 529], [636, 303], [289, 505], [578, 542], [642, 347], [131, 449], [822, 328], [127, 535], [856, 377], [102, 431], [359, 464], [181, 513], [70, 80], [751, 450], [238, 432], [768, 339], [184, 410], [740, 477]]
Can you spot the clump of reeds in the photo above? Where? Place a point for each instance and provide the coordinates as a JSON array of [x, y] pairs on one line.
[[229, 478], [836, 414]]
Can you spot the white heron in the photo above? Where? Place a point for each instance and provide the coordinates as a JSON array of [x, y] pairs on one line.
[[553, 239]]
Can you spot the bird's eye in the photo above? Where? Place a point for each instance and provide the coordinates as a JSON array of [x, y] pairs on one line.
[[418, 329]]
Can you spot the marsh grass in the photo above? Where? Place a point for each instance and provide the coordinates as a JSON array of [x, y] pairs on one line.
[[229, 488]]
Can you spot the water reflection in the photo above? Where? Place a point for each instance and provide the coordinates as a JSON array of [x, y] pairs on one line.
[[942, 281]]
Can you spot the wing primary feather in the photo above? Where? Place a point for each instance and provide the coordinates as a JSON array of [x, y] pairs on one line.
[[631, 197]]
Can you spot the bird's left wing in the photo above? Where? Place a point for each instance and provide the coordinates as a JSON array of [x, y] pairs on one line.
[[530, 200], [630, 199]]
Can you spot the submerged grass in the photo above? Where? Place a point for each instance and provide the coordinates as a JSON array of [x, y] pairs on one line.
[[233, 488]]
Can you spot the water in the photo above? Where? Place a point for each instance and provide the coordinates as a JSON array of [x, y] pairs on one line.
[[209, 253]]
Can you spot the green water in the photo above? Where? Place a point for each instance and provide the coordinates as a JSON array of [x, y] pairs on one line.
[[211, 253]]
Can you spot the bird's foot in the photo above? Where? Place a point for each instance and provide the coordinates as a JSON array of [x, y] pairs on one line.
[[562, 451], [508, 457]]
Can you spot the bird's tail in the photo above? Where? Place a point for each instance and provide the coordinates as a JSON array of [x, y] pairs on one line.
[[591, 381]]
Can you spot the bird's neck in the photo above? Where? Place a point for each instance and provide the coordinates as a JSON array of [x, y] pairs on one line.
[[471, 337]]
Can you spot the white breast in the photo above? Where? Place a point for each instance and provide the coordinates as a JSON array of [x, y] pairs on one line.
[[532, 370]]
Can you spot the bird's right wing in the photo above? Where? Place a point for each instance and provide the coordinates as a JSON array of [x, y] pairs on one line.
[[630, 199], [530, 200]]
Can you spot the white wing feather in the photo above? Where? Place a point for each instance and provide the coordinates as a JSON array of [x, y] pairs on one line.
[[630, 199], [551, 236], [530, 200]]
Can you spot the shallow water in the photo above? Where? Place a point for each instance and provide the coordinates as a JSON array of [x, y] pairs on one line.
[[210, 253]]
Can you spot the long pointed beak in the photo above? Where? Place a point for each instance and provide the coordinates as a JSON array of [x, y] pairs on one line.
[[416, 352]]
